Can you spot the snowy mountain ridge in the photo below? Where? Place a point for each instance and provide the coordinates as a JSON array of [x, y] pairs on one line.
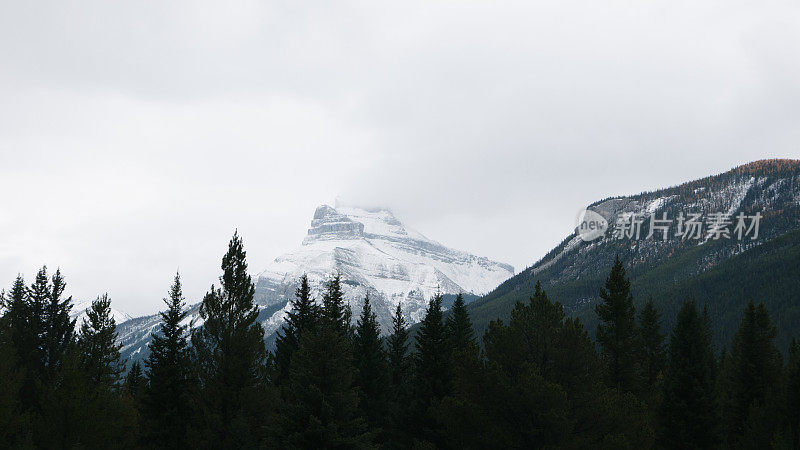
[[669, 261], [375, 254]]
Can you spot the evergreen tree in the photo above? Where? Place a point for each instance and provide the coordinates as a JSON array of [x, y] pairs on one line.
[[97, 342], [17, 314], [617, 333], [41, 328], [81, 413], [321, 407], [459, 328], [334, 310], [689, 409], [397, 344], [399, 369], [230, 359], [432, 373], [135, 382], [303, 317], [38, 299], [653, 353], [23, 337], [559, 350], [432, 358], [166, 403], [753, 379], [15, 430], [371, 370], [59, 327]]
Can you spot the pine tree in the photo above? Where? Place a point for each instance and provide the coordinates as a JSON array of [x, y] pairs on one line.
[[230, 359], [135, 382], [653, 353], [14, 420], [333, 307], [753, 378], [166, 403], [617, 333], [303, 317], [689, 410], [23, 335], [321, 407], [41, 328], [38, 300], [459, 328], [17, 314], [397, 344], [97, 342], [399, 369], [370, 362], [559, 351], [59, 327], [432, 358], [80, 413]]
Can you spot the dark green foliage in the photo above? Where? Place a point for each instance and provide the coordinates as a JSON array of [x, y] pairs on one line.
[[334, 310], [459, 328], [399, 389], [766, 272], [135, 382], [652, 342], [432, 373], [496, 410], [78, 412], [13, 417], [371, 370], [689, 412], [793, 393], [25, 329], [397, 348], [537, 383], [59, 328], [433, 356], [752, 380], [98, 344], [321, 404], [230, 359], [166, 402], [540, 338], [303, 317], [17, 314], [37, 304], [505, 401], [617, 333]]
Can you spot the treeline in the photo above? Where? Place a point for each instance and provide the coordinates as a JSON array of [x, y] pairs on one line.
[[333, 381]]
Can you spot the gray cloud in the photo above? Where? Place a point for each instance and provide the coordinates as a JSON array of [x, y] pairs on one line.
[[134, 137]]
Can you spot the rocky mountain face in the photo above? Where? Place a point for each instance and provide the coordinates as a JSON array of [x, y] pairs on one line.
[[375, 254], [679, 258]]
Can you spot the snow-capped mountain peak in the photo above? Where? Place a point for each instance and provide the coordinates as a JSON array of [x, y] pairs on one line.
[[375, 253]]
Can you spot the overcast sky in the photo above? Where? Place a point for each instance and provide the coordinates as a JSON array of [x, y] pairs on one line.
[[136, 136]]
